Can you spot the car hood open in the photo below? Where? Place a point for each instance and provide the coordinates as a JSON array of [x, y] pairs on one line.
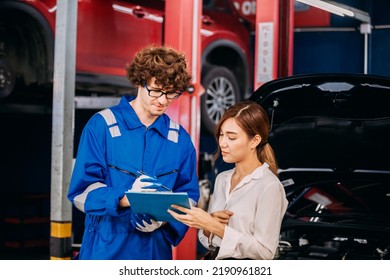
[[337, 121]]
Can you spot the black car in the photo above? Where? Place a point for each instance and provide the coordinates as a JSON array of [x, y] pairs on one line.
[[331, 137]]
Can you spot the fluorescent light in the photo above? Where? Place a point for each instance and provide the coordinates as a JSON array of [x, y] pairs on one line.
[[328, 6]]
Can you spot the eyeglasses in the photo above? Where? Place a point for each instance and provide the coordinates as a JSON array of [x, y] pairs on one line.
[[157, 93]]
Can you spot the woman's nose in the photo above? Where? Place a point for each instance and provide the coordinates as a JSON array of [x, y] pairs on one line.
[[222, 142]]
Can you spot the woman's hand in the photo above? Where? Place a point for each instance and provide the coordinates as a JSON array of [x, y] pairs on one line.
[[198, 218], [194, 217], [222, 216]]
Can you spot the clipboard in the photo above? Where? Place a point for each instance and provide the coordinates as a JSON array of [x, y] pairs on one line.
[[156, 204]]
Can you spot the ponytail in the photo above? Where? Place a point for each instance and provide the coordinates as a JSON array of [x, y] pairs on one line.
[[265, 153]]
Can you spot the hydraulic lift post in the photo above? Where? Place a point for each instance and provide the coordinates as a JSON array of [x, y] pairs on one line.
[[274, 40], [182, 32]]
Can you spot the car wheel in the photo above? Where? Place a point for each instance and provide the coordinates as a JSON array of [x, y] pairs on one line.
[[221, 92], [7, 79]]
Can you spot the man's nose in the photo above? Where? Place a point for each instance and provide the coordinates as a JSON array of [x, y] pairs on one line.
[[163, 99]]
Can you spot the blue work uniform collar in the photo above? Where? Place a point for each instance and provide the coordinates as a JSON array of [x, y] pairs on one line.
[[161, 124]]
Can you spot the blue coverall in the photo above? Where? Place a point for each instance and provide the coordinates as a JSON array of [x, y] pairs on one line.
[[113, 146]]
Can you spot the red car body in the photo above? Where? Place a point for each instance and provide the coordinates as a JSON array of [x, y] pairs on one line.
[[109, 32]]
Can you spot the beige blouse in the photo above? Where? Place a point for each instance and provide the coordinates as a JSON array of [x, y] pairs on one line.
[[259, 204]]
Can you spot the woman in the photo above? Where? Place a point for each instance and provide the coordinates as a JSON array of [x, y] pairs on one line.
[[249, 202]]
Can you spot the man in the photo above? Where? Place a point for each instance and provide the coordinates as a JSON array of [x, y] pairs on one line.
[[119, 144]]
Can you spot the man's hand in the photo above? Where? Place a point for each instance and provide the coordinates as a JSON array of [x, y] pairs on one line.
[[149, 227], [146, 183], [144, 222]]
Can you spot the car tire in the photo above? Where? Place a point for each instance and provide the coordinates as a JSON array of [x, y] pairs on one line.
[[7, 79], [221, 92]]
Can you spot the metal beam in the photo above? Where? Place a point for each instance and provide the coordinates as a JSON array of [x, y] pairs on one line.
[[62, 129]]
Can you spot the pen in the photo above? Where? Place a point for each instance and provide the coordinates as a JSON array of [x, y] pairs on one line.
[[140, 172], [168, 189], [159, 175]]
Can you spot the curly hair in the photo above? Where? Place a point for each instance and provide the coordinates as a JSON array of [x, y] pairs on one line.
[[167, 65]]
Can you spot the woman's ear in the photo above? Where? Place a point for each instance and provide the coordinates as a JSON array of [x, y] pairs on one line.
[[255, 141]]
